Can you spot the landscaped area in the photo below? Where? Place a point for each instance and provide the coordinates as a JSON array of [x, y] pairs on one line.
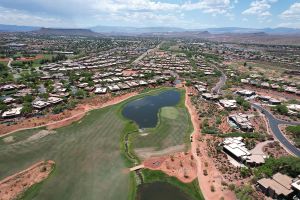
[[173, 128], [89, 154]]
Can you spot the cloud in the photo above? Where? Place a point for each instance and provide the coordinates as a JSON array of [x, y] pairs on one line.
[[291, 16], [293, 13], [19, 17], [72, 7], [133, 5], [93, 12], [260, 8], [213, 7], [148, 19]]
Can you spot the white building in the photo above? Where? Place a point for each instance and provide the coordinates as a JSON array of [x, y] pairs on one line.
[[228, 104], [14, 112]]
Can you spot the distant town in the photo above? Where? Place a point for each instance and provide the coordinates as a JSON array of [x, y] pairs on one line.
[[228, 116]]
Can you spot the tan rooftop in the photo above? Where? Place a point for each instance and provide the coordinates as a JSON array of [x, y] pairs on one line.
[[280, 184]]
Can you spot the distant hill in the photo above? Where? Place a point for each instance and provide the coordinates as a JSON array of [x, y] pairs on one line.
[[222, 30], [134, 30], [67, 32], [271, 31], [15, 28], [124, 30]]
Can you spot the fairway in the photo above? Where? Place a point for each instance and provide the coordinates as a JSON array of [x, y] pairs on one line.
[[87, 155]]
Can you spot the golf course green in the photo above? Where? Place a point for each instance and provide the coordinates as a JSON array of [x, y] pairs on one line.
[[89, 154]]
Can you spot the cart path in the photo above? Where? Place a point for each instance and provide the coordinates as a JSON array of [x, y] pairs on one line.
[[78, 116]]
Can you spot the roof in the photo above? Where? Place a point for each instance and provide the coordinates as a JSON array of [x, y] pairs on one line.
[[236, 146], [12, 112], [228, 103], [280, 184], [296, 184], [284, 180], [275, 186]]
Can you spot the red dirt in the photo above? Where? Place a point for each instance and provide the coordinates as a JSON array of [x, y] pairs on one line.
[[39, 56], [180, 165], [224, 126], [52, 121], [13, 186], [4, 59], [204, 162]]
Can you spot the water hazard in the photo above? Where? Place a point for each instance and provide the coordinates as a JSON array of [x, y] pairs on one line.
[[144, 111], [160, 191]]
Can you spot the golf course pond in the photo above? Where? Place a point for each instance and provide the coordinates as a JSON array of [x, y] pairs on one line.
[[144, 111], [160, 191]]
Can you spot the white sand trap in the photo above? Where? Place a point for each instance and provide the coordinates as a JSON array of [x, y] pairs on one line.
[[8, 139], [145, 153], [40, 134]]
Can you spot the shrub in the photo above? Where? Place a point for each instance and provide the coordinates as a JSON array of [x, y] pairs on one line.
[[231, 187], [212, 188], [282, 109]]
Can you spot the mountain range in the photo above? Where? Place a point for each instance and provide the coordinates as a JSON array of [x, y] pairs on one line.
[[144, 30]]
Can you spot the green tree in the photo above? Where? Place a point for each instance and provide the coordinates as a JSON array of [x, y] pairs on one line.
[[245, 172], [282, 109], [27, 108], [81, 94], [28, 98], [172, 79], [58, 109], [246, 105], [3, 106]]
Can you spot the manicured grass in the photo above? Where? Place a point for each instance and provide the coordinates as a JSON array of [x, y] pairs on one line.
[[90, 157], [169, 112], [169, 132], [89, 164], [192, 189], [174, 128], [19, 136]]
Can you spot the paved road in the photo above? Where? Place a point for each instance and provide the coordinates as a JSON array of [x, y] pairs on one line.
[[274, 125], [221, 82], [273, 121], [136, 61]]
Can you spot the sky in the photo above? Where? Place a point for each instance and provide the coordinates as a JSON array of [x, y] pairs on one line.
[[191, 14]]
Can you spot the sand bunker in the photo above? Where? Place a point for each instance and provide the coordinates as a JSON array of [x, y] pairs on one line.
[[9, 139], [145, 153], [39, 135]]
